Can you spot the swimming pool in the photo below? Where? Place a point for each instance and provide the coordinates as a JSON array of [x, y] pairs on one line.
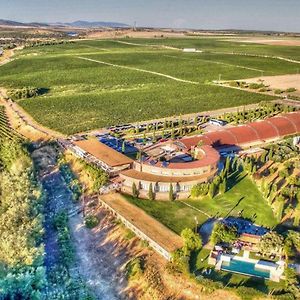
[[244, 267]]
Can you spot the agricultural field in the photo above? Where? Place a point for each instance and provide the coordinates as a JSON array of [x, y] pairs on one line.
[[90, 84], [6, 132]]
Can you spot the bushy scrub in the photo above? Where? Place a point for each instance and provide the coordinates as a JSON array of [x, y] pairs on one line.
[[134, 268], [64, 239], [24, 93], [22, 273], [91, 221]]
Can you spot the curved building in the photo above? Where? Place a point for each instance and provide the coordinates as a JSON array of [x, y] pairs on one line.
[[181, 170], [192, 164]]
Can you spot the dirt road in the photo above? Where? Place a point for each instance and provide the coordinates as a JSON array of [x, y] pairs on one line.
[[98, 261]]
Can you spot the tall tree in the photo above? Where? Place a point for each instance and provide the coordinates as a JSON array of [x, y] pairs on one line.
[[150, 192], [171, 193], [135, 192]]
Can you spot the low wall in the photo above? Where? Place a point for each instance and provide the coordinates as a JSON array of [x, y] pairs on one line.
[[158, 248]]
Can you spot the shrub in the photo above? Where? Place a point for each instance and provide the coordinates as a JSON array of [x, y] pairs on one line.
[[290, 90], [91, 221], [134, 268], [129, 234], [278, 91], [255, 86], [234, 84]]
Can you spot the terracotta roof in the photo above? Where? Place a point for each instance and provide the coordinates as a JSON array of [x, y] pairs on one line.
[[159, 178], [295, 118], [264, 129], [283, 125], [271, 128], [104, 153]]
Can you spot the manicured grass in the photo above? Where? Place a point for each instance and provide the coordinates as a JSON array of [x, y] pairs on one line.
[[175, 215], [85, 95], [244, 198]]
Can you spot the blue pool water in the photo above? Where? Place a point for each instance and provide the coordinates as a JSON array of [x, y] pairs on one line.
[[244, 267]]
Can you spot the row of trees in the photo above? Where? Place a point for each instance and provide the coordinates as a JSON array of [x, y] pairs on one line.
[[264, 111], [151, 192], [220, 183]]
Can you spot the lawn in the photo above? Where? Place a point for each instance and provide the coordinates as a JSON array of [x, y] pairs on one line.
[[174, 215], [243, 199]]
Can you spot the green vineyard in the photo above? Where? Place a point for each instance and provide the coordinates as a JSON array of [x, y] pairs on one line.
[[6, 132]]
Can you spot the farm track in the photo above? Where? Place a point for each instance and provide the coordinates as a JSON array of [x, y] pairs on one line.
[[139, 70], [215, 62]]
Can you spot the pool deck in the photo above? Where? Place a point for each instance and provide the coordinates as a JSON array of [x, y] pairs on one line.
[[275, 270]]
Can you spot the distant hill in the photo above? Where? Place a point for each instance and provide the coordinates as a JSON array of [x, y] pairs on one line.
[[87, 24], [20, 24]]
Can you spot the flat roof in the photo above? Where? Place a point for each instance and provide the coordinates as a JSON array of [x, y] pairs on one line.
[[159, 233], [160, 178], [209, 157], [104, 153]]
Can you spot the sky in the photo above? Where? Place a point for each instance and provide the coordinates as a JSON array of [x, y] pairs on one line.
[[277, 15]]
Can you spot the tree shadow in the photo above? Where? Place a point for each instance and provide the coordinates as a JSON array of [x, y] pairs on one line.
[[43, 91], [233, 208]]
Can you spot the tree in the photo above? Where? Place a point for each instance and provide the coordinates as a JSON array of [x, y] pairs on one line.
[[297, 215], [172, 134], [154, 137], [191, 241], [150, 192], [212, 190], [138, 156], [195, 120], [135, 192], [227, 164], [223, 233], [165, 124], [280, 206], [171, 193], [200, 189], [223, 186], [271, 243], [123, 147]]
